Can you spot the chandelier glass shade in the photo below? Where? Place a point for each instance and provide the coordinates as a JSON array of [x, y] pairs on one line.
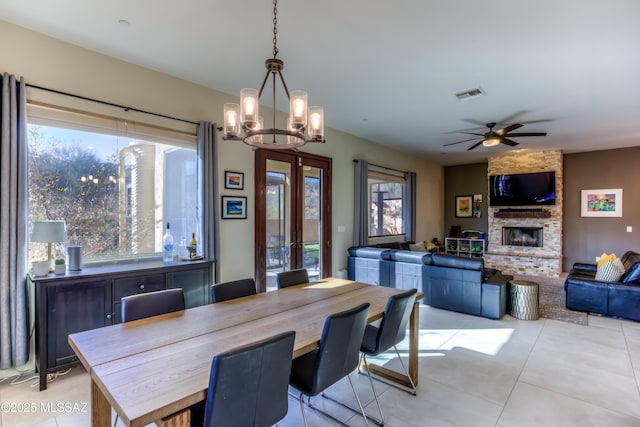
[[243, 122]]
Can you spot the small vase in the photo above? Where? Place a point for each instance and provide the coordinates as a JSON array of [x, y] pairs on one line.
[[60, 269]]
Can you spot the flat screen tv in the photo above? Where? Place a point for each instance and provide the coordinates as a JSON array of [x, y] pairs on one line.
[[523, 189]]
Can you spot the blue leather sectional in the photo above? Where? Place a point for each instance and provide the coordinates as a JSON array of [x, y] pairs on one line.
[[618, 299], [450, 282]]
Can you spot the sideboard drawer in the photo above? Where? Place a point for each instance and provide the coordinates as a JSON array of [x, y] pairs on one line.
[[137, 285]]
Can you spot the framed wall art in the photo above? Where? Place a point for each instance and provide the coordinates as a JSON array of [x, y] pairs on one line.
[[601, 203], [233, 180], [234, 207], [464, 206]]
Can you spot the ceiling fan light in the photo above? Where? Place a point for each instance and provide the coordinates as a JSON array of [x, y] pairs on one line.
[[491, 142]]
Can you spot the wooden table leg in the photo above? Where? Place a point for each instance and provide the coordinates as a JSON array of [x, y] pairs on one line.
[[414, 328], [180, 419], [100, 407]]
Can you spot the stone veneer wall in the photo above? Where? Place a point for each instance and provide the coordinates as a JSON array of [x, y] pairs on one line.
[[544, 261]]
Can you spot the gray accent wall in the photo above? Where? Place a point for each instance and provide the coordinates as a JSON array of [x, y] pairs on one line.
[[465, 180], [587, 237]]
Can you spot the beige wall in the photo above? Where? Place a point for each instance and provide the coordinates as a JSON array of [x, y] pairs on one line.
[[55, 64]]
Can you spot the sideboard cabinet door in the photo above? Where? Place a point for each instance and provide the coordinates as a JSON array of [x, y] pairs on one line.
[[74, 308], [194, 284]]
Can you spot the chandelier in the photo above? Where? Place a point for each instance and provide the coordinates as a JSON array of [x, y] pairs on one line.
[[242, 122]]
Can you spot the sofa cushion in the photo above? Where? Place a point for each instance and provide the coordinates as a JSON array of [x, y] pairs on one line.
[[411, 257], [629, 259], [632, 275], [453, 261], [611, 271], [368, 252]]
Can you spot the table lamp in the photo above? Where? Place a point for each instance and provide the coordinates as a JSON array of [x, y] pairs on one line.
[[49, 232]]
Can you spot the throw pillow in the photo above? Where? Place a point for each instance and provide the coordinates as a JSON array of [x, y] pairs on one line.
[[604, 258], [418, 247], [612, 271], [633, 274]]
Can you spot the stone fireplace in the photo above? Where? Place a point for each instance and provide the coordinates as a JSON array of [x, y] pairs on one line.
[[526, 240]]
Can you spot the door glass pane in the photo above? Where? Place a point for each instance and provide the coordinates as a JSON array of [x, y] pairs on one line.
[[311, 225], [278, 219]]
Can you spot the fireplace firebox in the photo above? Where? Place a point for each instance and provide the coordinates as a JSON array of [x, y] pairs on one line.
[[522, 236]]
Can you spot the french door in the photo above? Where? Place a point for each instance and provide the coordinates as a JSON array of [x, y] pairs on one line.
[[293, 215]]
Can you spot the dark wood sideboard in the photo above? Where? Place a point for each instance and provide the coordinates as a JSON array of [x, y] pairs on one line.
[[90, 298]]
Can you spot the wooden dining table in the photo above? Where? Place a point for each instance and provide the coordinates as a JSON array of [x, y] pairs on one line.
[[155, 368]]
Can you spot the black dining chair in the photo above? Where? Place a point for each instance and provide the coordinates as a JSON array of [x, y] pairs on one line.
[[230, 290], [292, 277], [248, 386], [149, 304], [335, 358], [391, 331]]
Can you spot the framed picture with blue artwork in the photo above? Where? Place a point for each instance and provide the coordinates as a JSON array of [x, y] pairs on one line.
[[234, 207]]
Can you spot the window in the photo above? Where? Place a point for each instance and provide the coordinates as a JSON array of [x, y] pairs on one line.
[[386, 196], [116, 184]]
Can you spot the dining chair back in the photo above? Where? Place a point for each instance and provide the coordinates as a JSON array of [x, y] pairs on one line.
[[248, 386], [230, 290], [336, 356], [292, 277], [393, 326], [390, 332], [149, 304]]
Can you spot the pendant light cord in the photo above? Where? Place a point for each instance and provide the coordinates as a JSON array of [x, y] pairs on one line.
[[275, 28]]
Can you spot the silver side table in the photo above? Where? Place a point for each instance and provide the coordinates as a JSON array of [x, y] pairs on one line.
[[524, 299]]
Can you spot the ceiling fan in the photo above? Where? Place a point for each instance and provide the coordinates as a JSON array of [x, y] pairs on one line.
[[492, 137]]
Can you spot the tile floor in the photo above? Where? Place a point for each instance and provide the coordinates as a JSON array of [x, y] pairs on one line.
[[473, 372]]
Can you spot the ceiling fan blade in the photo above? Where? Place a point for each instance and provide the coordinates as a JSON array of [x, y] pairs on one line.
[[472, 133], [507, 129], [474, 146], [459, 142], [511, 117], [476, 122], [526, 134], [508, 142]]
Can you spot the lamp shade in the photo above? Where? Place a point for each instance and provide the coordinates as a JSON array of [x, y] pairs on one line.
[[49, 231]]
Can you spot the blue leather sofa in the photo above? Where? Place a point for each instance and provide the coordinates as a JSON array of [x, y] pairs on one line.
[[450, 282], [618, 299]]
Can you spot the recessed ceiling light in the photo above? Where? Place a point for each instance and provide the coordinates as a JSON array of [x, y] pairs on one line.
[[470, 93], [124, 23]]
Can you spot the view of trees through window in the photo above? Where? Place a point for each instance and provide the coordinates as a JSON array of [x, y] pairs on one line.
[[386, 208], [110, 190]]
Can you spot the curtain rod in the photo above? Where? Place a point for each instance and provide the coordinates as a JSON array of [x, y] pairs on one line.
[[383, 167], [111, 104]]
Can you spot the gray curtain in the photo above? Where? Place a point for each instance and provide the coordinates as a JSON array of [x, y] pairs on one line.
[[14, 317], [208, 190], [361, 199], [410, 211]]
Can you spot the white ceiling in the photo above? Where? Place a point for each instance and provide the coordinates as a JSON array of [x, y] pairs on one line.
[[387, 71]]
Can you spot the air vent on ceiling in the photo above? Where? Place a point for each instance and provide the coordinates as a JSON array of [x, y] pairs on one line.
[[471, 93]]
